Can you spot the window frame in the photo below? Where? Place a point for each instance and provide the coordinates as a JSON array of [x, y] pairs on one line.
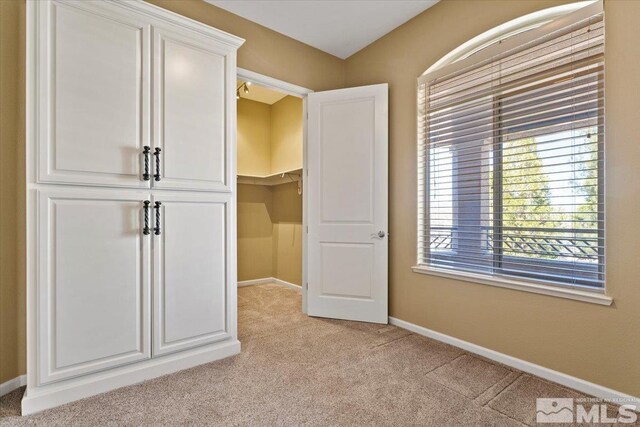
[[476, 51]]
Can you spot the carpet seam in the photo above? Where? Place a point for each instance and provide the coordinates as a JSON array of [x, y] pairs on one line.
[[501, 391], [507, 416], [389, 342], [505, 389]]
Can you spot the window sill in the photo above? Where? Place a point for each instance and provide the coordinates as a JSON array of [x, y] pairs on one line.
[[574, 294]]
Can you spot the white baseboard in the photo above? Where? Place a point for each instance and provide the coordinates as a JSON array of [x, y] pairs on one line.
[[8, 386], [269, 280], [256, 282], [37, 399], [522, 365]]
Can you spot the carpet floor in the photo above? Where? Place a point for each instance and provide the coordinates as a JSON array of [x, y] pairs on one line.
[[298, 370]]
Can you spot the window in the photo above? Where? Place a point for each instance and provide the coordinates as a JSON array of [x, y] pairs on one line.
[[511, 158]]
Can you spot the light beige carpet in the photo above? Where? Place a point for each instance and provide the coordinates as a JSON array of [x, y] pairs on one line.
[[297, 370]]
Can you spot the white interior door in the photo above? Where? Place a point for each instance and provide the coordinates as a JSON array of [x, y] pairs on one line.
[[93, 289], [347, 161], [190, 271]]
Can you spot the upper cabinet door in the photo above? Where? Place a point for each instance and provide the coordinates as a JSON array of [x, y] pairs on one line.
[[193, 111], [93, 94]]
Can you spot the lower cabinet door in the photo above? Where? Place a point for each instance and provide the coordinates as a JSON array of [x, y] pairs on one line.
[[190, 271], [93, 291]]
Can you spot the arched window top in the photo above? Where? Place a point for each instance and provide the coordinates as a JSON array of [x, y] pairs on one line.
[[505, 31]]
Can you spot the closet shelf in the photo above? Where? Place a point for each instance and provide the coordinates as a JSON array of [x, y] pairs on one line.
[[274, 179]]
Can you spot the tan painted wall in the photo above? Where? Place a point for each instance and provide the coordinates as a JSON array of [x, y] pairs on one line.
[[596, 343], [287, 233], [255, 232], [286, 134], [265, 51], [12, 311], [254, 138], [270, 232], [269, 136]]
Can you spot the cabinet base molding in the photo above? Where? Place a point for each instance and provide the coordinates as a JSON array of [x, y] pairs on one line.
[[50, 396]]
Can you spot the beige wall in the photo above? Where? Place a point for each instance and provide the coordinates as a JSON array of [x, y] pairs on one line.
[[596, 343], [270, 232], [286, 134], [269, 136], [287, 233], [12, 190], [254, 138], [255, 232]]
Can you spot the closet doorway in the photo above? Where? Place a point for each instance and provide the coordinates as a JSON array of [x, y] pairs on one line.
[[271, 134], [312, 205]]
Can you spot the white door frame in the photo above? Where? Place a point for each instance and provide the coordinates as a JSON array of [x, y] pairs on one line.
[[300, 92]]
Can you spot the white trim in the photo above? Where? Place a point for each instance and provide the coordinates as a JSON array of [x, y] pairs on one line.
[[271, 280], [522, 365], [8, 386], [271, 83], [520, 285], [461, 56], [41, 398], [520, 24], [172, 18], [305, 203], [287, 284], [253, 282]]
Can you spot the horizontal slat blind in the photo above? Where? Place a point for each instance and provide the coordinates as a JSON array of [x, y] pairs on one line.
[[511, 161]]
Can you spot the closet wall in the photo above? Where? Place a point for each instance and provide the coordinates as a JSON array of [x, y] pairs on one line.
[[255, 232], [286, 134], [287, 233], [254, 136], [269, 217]]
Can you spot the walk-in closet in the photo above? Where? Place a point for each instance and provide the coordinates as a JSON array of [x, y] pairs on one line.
[[270, 159]]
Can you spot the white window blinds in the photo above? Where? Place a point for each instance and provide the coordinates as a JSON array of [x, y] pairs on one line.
[[511, 158]]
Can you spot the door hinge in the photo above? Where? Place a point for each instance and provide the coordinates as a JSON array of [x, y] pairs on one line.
[[307, 229]]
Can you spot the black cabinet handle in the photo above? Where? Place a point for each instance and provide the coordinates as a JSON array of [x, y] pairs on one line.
[[146, 229], [157, 154], [146, 151], [156, 229]]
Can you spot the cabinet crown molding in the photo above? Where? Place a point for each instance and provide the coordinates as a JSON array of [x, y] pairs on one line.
[[175, 19]]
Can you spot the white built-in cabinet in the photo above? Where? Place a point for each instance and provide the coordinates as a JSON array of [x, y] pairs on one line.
[[131, 196]]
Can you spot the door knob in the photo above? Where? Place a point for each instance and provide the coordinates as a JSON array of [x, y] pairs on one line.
[[379, 235]]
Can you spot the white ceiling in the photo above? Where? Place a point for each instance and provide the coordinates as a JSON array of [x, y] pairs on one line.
[[260, 94], [339, 27]]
